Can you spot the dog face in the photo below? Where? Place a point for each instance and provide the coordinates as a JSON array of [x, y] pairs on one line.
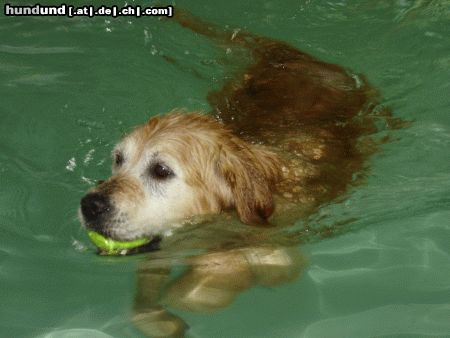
[[177, 166]]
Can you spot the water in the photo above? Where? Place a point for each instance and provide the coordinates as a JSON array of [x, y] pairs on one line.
[[70, 88]]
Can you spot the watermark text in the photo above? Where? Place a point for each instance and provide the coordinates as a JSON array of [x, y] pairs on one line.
[[87, 10]]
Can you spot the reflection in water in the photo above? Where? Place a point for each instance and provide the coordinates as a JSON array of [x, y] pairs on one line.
[[211, 282]]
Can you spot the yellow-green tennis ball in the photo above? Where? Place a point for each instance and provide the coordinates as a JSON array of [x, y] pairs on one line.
[[112, 247]]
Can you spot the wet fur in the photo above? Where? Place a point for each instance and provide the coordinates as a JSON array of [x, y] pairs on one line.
[[287, 136]]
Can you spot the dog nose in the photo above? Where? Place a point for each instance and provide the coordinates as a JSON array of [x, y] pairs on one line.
[[94, 205]]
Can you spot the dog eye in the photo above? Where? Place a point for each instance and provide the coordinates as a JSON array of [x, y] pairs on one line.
[[118, 159], [160, 171]]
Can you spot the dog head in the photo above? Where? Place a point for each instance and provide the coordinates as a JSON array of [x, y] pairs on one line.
[[177, 166]]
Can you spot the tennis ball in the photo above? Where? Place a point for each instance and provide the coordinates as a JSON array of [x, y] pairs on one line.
[[113, 247]]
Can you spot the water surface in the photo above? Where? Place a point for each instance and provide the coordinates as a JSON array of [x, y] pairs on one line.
[[70, 88]]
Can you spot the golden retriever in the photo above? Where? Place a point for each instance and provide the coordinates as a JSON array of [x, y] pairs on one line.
[[290, 134], [286, 137]]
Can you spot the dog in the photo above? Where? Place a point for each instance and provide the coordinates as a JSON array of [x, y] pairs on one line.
[[287, 136], [292, 131]]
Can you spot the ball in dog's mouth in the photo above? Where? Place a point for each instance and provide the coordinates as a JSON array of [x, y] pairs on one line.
[[110, 247]]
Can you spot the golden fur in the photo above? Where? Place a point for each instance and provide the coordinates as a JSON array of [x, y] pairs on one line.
[[224, 171], [288, 135]]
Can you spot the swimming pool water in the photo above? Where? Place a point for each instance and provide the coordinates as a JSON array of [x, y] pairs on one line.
[[69, 88]]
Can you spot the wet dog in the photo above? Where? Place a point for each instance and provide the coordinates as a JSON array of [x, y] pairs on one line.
[[289, 135]]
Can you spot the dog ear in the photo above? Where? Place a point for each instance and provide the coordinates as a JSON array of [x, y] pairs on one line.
[[251, 172]]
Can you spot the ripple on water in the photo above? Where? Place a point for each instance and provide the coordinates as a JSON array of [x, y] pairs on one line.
[[14, 197], [29, 50], [39, 79], [392, 320], [75, 333]]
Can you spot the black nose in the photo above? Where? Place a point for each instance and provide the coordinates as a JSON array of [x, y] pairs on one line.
[[94, 205]]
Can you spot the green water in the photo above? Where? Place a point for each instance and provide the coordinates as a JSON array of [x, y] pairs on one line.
[[69, 88]]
